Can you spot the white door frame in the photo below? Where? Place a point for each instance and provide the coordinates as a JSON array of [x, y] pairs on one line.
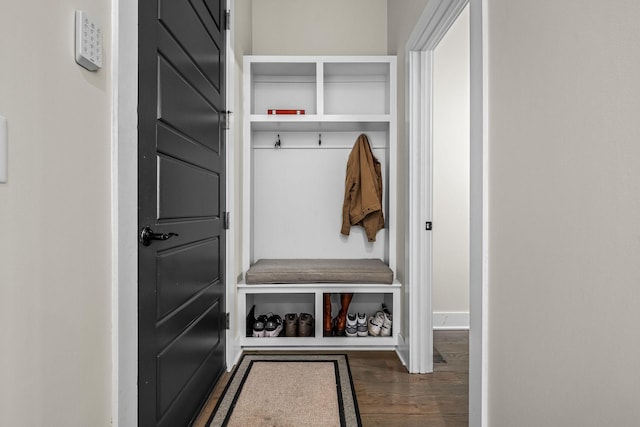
[[124, 212], [433, 24]]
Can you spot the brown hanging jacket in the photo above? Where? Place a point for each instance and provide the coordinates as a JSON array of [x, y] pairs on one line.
[[363, 191]]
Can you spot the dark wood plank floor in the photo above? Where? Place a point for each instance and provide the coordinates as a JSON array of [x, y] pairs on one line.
[[389, 396]]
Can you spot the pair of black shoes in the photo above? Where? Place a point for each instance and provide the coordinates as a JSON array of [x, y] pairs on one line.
[[267, 326]]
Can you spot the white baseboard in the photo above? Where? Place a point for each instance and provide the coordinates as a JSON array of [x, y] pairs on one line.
[[402, 351], [455, 320], [233, 352]]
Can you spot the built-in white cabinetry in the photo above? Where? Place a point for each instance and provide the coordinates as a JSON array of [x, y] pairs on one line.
[[294, 177]]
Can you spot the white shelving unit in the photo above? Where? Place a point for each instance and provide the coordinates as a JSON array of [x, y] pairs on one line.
[[293, 194]]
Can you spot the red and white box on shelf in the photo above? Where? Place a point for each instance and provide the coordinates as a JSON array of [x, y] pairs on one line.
[[273, 111]]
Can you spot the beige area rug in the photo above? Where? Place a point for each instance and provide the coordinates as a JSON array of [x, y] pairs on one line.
[[289, 391]]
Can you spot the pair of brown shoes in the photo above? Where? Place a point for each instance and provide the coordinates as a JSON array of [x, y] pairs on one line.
[[298, 326]]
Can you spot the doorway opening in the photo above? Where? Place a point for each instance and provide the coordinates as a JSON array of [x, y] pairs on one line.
[[432, 26], [450, 178]]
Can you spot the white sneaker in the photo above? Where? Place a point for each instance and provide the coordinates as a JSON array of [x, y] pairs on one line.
[[385, 330], [362, 325], [352, 328], [375, 324]]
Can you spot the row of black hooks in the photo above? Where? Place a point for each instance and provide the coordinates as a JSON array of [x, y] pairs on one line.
[[278, 143]]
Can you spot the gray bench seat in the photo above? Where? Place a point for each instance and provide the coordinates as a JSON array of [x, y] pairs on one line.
[[268, 271]]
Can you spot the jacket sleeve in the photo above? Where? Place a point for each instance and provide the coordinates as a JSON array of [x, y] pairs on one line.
[[371, 194], [350, 189]]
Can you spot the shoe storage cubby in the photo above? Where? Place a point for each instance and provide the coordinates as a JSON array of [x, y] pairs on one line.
[[280, 304], [283, 299], [293, 179]]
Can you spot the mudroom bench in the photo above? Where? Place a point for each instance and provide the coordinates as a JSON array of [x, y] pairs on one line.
[[303, 116], [282, 286]]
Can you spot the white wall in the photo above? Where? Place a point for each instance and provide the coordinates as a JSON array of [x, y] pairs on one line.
[[327, 27], [242, 31], [450, 280], [564, 213], [55, 278]]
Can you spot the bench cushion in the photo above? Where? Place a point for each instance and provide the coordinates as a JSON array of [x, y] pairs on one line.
[[266, 271]]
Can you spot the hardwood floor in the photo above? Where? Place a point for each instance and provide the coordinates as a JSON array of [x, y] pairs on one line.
[[389, 396]]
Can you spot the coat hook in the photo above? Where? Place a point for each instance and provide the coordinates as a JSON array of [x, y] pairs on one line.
[[277, 145], [319, 139]]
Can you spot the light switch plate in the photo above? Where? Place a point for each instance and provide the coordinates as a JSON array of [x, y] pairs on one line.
[[88, 42], [4, 150]]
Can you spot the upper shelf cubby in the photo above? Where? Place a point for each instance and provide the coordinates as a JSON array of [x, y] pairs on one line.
[[325, 89], [356, 88], [283, 85]]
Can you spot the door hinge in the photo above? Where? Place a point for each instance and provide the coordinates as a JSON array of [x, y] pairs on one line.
[[227, 322], [226, 219], [226, 119], [428, 226], [227, 19]]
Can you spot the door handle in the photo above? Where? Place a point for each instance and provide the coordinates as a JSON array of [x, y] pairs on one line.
[[147, 235]]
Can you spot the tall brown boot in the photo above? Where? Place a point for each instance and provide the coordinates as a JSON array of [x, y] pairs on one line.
[[327, 327], [341, 320]]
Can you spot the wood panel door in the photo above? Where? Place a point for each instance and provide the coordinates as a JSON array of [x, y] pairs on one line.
[[181, 196]]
